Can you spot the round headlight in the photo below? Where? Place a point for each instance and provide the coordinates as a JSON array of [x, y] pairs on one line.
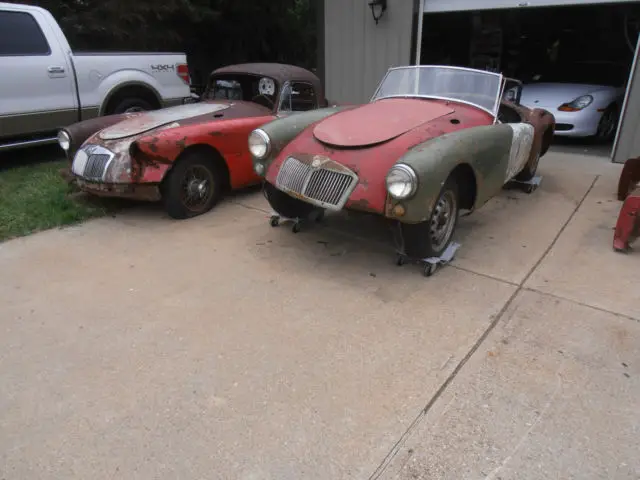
[[402, 181], [64, 140], [259, 144], [582, 102]]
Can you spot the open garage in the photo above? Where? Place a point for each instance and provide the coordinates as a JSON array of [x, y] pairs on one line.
[[575, 57]]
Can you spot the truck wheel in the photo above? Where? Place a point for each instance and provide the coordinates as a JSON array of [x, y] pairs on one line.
[[192, 187], [285, 205], [431, 238], [129, 105]]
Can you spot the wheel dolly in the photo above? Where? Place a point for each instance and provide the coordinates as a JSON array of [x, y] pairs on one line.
[[527, 186], [432, 264], [276, 219]]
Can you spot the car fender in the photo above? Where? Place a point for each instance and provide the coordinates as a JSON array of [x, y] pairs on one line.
[[604, 97], [122, 79], [79, 132], [160, 149], [284, 130], [486, 149]]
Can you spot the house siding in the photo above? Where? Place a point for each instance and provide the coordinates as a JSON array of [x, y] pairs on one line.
[[358, 52]]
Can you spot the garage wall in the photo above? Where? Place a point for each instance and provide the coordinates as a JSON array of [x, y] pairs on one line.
[[627, 143], [357, 52]]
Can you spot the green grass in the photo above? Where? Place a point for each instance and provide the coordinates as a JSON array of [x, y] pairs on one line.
[[36, 197]]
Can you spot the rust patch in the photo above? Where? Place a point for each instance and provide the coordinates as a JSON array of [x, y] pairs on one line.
[[182, 143], [151, 144], [362, 204], [297, 195], [149, 192]]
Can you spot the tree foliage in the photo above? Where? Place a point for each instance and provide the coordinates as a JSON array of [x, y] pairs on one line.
[[212, 32]]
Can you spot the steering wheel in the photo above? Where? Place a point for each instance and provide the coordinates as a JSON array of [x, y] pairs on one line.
[[257, 99]]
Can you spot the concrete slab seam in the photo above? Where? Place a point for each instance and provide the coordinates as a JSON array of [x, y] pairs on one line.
[[380, 470], [249, 207], [484, 275], [576, 302], [560, 232]]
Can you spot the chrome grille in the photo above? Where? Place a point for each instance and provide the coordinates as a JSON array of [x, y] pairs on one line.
[[293, 174], [96, 166], [322, 186], [91, 162]]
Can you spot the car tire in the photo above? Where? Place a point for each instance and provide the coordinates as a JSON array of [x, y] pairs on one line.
[[192, 187], [608, 125], [130, 105], [529, 170], [285, 205], [431, 238]]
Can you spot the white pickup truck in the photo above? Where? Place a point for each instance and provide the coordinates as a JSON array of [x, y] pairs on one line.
[[44, 86]]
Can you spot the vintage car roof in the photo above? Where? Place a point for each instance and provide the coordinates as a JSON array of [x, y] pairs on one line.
[[280, 72]]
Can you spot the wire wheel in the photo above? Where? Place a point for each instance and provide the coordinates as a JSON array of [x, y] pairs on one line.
[[443, 220], [197, 188]]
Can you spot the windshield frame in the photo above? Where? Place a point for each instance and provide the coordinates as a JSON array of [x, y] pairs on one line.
[[234, 76], [496, 103]]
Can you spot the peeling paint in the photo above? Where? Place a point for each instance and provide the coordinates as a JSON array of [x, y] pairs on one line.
[[145, 145], [436, 146]]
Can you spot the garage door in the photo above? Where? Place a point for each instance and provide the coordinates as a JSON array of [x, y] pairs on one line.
[[431, 6]]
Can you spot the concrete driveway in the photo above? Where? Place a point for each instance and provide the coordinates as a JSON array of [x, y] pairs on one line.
[[219, 348]]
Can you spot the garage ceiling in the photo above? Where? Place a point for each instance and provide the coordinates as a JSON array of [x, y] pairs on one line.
[[431, 6]]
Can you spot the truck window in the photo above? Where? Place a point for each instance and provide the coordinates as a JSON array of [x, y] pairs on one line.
[[20, 34]]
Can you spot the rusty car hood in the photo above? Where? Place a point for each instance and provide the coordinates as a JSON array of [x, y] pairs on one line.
[[377, 122], [182, 115]]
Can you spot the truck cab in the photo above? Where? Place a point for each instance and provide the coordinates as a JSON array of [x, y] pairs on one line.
[[45, 86]]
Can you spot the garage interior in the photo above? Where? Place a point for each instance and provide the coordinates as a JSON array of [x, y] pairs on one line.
[[587, 44]]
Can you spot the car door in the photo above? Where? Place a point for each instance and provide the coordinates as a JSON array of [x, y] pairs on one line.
[[37, 91]]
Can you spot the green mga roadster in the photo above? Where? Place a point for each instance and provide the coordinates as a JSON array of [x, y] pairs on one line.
[[433, 140]]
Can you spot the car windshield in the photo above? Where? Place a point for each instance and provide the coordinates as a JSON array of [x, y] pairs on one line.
[[247, 87], [476, 87]]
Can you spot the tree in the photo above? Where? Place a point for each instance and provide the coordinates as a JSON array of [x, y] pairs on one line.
[[215, 32]]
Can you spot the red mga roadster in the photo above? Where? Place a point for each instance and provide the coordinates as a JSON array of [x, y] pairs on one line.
[[189, 155]]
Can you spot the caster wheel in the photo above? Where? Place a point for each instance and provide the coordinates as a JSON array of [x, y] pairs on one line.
[[429, 269], [274, 221], [400, 260], [296, 228], [530, 189]]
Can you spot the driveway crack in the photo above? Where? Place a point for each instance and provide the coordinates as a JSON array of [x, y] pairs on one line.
[[386, 462]]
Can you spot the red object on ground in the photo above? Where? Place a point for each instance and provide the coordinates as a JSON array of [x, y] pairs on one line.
[[628, 224]]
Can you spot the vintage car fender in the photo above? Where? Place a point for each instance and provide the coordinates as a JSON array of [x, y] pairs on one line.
[[284, 130], [484, 150], [79, 132], [165, 146]]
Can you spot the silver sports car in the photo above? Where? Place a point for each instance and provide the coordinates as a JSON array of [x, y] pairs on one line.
[[585, 98]]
